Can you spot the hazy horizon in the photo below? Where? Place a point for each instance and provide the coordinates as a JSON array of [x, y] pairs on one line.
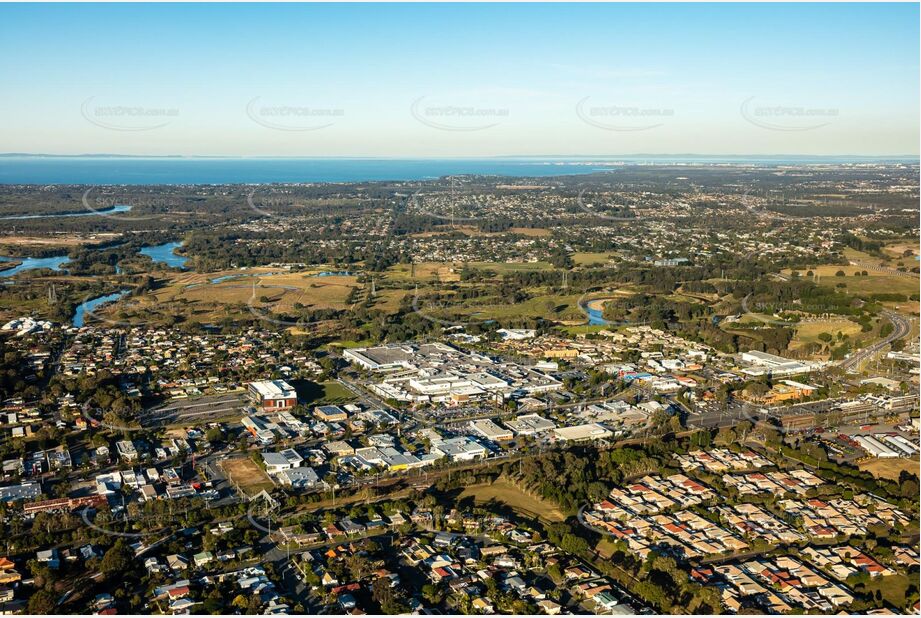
[[460, 80]]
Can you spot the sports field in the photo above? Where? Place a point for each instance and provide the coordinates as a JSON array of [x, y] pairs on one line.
[[586, 258]]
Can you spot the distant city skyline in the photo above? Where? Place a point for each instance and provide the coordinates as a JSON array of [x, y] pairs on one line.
[[460, 80]]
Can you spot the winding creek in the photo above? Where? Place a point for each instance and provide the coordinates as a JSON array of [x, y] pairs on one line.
[[90, 305], [594, 309]]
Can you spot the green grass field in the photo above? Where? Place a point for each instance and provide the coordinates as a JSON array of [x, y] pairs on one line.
[[585, 258], [548, 306], [876, 282], [319, 393]]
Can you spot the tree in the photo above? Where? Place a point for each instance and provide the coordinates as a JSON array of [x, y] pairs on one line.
[[41, 602], [573, 544], [240, 601], [382, 593], [358, 566], [117, 559], [430, 594]]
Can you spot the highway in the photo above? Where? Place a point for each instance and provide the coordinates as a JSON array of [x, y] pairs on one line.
[[883, 269], [902, 326]]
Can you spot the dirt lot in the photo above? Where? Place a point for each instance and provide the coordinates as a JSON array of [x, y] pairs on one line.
[[534, 232], [425, 272], [890, 468], [62, 240], [897, 249], [509, 494], [245, 474]]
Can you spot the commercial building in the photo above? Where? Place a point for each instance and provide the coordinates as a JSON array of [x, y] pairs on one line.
[[489, 430], [15, 493], [388, 457], [330, 414], [785, 390], [272, 395], [530, 424], [582, 433], [278, 462], [459, 449], [773, 365], [436, 372], [383, 358], [259, 428], [299, 478]]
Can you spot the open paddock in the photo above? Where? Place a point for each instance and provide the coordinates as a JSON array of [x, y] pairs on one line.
[[891, 468], [511, 495], [246, 476]]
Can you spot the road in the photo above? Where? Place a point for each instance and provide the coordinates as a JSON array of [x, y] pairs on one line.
[[883, 269], [719, 415], [902, 326]]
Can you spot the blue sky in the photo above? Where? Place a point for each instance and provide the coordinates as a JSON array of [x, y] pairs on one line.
[[420, 80]]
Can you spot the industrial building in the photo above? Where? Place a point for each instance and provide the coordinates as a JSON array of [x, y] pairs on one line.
[[773, 365]]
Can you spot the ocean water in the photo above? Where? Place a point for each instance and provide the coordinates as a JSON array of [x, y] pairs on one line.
[[116, 170], [94, 170]]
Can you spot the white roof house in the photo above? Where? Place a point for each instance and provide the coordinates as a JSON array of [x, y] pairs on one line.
[[276, 462]]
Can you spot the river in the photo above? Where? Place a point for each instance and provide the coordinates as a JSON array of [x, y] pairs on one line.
[[166, 254], [31, 263]]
